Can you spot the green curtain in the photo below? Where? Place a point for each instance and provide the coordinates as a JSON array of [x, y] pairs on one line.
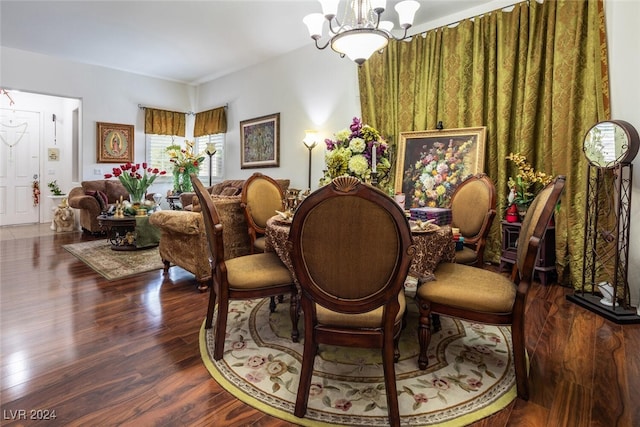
[[535, 76], [210, 122], [162, 122]]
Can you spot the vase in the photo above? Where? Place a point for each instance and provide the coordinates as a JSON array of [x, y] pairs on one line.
[[182, 182], [186, 183], [136, 199], [522, 211]]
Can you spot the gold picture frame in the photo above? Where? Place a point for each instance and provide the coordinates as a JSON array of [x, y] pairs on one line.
[[115, 142], [431, 164], [260, 142]]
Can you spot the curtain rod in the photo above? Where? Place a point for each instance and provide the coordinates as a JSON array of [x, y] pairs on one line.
[[142, 107], [190, 113], [423, 33]]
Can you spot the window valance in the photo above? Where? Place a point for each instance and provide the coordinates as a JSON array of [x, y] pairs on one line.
[[210, 122], [162, 122]]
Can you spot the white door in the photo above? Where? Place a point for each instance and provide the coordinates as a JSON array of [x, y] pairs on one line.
[[19, 166]]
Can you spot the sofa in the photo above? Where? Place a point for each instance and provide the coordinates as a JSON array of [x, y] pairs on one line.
[[93, 198], [229, 187], [183, 240]]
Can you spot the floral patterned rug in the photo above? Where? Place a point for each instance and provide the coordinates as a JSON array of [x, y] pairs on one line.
[[111, 264], [470, 376]]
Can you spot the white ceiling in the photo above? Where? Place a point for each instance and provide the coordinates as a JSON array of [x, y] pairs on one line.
[[181, 40]]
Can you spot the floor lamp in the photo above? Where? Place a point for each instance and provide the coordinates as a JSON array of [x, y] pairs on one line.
[[210, 150], [310, 142]]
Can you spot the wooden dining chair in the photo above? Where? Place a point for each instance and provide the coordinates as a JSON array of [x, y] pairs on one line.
[[246, 277], [473, 208], [261, 197], [484, 296], [351, 248]]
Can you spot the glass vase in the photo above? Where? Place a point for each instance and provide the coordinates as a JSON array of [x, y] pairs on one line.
[[185, 182]]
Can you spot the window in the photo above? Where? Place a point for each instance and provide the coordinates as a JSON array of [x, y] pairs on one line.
[[158, 158], [217, 160], [156, 148]]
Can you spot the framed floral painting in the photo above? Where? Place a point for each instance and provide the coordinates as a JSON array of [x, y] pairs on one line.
[[431, 164], [114, 143], [260, 142]]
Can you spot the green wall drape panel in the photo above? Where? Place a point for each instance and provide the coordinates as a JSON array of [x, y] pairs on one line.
[[162, 122], [210, 122], [535, 75]]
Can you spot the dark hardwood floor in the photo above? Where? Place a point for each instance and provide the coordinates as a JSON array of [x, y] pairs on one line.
[[126, 352]]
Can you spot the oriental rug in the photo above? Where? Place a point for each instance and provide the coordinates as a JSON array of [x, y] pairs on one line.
[[470, 375], [111, 264]]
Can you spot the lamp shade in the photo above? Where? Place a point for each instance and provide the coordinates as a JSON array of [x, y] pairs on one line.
[[211, 149], [359, 44], [406, 12], [310, 138], [314, 22]]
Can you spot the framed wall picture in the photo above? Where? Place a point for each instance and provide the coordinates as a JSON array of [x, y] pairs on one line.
[[260, 142], [114, 143], [431, 164]]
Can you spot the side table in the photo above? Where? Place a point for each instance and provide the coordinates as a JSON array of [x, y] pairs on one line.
[[174, 202], [545, 265]]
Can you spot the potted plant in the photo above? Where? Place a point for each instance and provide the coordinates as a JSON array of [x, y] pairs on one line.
[[526, 184], [54, 188]]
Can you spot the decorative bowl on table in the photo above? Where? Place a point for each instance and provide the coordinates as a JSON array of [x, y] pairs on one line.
[[420, 226], [285, 216]]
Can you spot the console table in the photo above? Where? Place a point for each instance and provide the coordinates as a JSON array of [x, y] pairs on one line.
[[545, 265]]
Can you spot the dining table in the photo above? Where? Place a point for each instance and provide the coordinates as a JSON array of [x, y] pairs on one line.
[[433, 245]]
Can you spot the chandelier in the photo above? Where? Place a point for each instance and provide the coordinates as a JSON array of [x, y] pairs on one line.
[[360, 32]]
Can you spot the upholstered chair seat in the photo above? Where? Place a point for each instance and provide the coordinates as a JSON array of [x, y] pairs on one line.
[[370, 319], [466, 256], [467, 288], [259, 244], [258, 271]]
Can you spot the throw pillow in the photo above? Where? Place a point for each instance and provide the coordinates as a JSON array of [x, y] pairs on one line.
[[231, 191], [101, 198]]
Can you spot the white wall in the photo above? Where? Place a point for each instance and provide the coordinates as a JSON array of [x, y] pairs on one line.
[[310, 89], [623, 17], [106, 95]]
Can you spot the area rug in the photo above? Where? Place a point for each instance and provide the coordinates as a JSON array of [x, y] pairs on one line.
[[471, 373], [113, 265]]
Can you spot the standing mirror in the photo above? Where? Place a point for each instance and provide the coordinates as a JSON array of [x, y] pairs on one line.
[[609, 147]]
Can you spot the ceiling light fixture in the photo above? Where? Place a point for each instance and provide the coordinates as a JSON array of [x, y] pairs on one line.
[[360, 32]]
